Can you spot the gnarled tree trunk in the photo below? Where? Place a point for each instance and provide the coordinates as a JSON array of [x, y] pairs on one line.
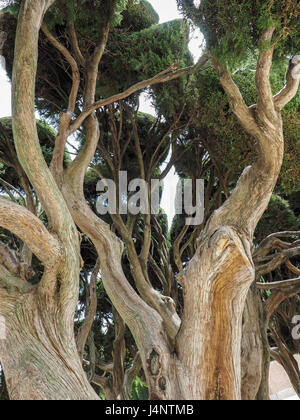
[[198, 357], [38, 352], [37, 363]]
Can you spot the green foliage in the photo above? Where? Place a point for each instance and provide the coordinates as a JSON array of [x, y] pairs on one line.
[[294, 200], [139, 390], [223, 137], [140, 55], [232, 27], [139, 16], [89, 23], [290, 173], [137, 49], [278, 217]]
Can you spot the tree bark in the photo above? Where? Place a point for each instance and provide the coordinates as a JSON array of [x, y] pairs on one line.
[[39, 354], [252, 346], [204, 360], [37, 363], [217, 280], [216, 284]]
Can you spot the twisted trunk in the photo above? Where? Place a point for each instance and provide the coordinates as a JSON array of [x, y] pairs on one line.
[[38, 365], [204, 360], [38, 353]]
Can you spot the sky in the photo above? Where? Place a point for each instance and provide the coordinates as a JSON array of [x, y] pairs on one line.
[[167, 11]]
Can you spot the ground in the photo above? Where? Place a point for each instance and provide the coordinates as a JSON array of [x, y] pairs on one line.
[[280, 385]]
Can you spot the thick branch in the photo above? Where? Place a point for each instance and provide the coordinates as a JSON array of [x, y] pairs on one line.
[[24, 125], [30, 230], [265, 104], [236, 100], [62, 137], [31, 158], [292, 84]]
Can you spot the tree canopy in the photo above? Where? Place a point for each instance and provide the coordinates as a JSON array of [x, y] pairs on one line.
[[118, 306]]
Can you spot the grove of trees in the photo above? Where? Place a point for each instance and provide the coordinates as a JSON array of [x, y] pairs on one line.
[[119, 306]]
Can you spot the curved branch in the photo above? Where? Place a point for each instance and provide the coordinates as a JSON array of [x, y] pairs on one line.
[[75, 44], [164, 76], [236, 100], [279, 295], [276, 260], [292, 84], [30, 229], [279, 284], [65, 119], [75, 71], [24, 124], [12, 282], [31, 158], [7, 184]]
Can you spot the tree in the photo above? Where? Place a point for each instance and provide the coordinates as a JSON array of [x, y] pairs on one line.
[[179, 355], [227, 269]]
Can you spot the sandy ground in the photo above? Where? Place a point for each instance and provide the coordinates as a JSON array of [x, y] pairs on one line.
[[280, 385]]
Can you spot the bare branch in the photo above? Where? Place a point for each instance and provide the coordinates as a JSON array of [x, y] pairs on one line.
[[292, 268], [279, 284], [62, 136], [7, 184], [24, 125], [75, 71], [276, 260], [75, 45], [279, 295], [292, 84], [165, 76]]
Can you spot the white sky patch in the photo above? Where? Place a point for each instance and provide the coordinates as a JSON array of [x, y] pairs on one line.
[[166, 9], [5, 95], [169, 192]]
